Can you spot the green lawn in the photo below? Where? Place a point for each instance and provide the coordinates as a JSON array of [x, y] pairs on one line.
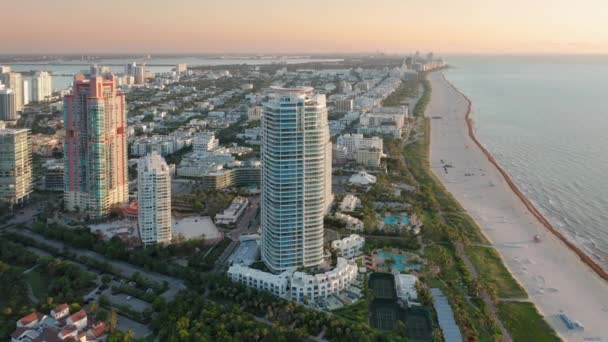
[[525, 323], [38, 282], [357, 312], [492, 271]]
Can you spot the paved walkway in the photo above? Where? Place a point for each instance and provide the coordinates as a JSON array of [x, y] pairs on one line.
[[484, 294]]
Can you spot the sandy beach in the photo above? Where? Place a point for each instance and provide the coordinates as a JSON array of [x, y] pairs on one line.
[[552, 273]]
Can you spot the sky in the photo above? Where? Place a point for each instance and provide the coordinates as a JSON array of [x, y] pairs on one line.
[[311, 26]]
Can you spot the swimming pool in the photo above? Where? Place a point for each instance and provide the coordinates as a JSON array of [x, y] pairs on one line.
[[396, 219], [400, 261]]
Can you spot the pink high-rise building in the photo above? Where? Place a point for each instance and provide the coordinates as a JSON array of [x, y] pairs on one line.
[[95, 146]]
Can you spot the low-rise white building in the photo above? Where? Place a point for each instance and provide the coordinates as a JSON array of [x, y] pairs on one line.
[[343, 106], [254, 113], [277, 284], [349, 247], [349, 203], [369, 157], [354, 142], [384, 120], [405, 284], [362, 178], [306, 286], [204, 142], [233, 212], [352, 223]]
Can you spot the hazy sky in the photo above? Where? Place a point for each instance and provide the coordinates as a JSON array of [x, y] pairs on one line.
[[206, 26]]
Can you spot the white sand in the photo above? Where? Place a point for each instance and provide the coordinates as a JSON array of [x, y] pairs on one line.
[[551, 273]]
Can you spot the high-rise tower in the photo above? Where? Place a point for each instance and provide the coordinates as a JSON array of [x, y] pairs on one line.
[[8, 110], [296, 178], [95, 146], [14, 81], [42, 86], [16, 181], [154, 199]]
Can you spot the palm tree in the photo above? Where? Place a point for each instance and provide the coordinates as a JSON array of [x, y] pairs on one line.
[[113, 321]]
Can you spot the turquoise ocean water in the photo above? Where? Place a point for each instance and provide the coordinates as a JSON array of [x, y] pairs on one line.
[[545, 118]]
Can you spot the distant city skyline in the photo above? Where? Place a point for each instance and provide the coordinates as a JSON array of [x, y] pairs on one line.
[[272, 26]]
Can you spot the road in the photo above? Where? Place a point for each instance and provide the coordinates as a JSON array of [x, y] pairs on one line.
[[125, 269], [248, 223]]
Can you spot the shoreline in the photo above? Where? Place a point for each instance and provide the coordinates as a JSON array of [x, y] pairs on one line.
[[584, 257], [553, 274]]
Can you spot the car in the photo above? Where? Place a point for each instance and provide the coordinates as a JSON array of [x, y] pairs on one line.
[[103, 287], [98, 292], [129, 297]]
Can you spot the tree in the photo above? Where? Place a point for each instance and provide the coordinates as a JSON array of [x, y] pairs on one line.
[[389, 262], [74, 307], [113, 321], [102, 315], [106, 279], [93, 307]]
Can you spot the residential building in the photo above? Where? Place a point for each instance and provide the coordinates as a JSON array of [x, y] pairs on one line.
[[306, 287], [349, 247], [343, 106], [59, 326], [254, 113], [369, 157], [363, 86], [8, 105], [14, 81], [297, 286], [277, 284], [296, 178], [16, 180], [354, 142], [352, 223], [345, 87], [204, 142], [349, 203], [42, 86], [154, 199], [163, 144], [384, 120], [181, 68], [95, 152], [231, 214], [26, 93]]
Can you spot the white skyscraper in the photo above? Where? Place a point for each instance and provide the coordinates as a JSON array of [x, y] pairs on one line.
[[154, 199], [296, 178], [27, 98], [42, 86]]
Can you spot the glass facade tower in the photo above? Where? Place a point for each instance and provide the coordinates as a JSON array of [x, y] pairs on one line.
[[296, 178]]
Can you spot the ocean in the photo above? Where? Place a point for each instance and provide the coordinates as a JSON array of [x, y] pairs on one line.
[[545, 119]]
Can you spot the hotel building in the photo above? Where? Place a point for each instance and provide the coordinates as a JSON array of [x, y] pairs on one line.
[[296, 178], [95, 152], [154, 199]]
